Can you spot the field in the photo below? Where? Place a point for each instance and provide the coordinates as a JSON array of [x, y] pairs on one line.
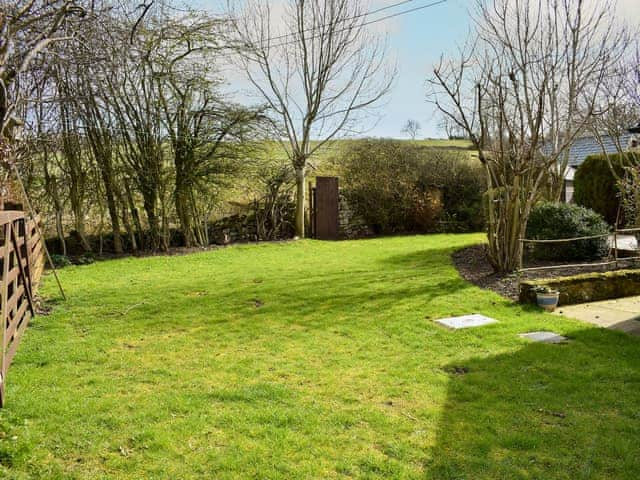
[[332, 150], [311, 360]]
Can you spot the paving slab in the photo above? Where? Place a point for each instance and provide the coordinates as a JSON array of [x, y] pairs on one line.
[[544, 337], [466, 321], [620, 314]]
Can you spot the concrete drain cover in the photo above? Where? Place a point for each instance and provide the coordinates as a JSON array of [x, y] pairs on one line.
[[544, 337], [466, 321]]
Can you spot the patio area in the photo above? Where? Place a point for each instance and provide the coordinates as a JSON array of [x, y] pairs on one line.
[[621, 314]]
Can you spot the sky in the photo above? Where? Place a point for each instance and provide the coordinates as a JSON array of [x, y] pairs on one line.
[[417, 40]]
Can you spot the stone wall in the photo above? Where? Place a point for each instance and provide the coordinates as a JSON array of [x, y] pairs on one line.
[[242, 227], [233, 229], [587, 287], [350, 225]]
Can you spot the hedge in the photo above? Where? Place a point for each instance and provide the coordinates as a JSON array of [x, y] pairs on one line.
[[596, 186], [398, 187]]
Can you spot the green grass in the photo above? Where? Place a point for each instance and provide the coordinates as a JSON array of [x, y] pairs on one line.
[[312, 360]]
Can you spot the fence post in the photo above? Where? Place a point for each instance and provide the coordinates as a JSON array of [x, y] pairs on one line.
[[4, 313], [312, 213], [615, 246], [520, 260]]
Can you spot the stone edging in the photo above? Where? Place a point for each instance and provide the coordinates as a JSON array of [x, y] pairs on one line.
[[587, 287]]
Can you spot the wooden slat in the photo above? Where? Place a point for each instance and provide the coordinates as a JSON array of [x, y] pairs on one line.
[[11, 329], [26, 280], [36, 251], [22, 251], [9, 216], [5, 313], [13, 274], [11, 351], [15, 298]]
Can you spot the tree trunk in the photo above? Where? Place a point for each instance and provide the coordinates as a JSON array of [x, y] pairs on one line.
[[183, 194], [135, 216], [128, 228], [508, 214], [300, 201], [51, 187], [78, 222], [106, 172], [149, 204]]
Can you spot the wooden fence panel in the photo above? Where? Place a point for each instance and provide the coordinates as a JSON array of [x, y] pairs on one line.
[[22, 264]]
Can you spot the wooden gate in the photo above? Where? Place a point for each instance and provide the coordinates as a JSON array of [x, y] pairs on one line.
[[325, 209], [22, 264]]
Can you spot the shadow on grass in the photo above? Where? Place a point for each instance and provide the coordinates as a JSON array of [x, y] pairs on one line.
[[424, 258], [546, 411], [313, 299]]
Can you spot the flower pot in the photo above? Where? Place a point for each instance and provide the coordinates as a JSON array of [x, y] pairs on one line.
[[548, 301]]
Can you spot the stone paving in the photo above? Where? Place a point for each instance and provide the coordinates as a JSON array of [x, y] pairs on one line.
[[621, 314], [544, 337], [466, 321]]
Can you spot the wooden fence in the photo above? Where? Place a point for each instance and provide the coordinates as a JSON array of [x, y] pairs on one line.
[[22, 264]]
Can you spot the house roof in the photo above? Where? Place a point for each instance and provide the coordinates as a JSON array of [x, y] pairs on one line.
[[586, 146]]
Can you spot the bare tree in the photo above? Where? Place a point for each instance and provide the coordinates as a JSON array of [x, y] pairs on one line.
[[27, 28], [523, 90], [622, 95], [319, 77], [411, 128], [208, 134]]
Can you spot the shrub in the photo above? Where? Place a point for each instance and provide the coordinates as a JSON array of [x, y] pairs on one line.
[[59, 260], [463, 186], [630, 196], [596, 184], [86, 259], [549, 221], [380, 185], [398, 187]]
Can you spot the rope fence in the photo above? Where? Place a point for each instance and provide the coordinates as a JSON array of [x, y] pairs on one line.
[[613, 237]]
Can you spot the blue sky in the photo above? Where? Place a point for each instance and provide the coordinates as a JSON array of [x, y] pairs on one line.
[[416, 40]]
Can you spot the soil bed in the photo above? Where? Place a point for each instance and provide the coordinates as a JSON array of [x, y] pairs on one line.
[[474, 267]]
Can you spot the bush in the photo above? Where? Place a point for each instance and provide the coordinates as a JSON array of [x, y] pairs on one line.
[[463, 185], [86, 259], [549, 221], [596, 185], [398, 187], [630, 196], [60, 261]]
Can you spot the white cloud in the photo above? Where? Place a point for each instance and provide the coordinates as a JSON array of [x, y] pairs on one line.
[[629, 11]]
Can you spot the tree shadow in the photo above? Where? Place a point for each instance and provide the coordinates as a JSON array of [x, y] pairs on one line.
[[565, 411], [318, 300]]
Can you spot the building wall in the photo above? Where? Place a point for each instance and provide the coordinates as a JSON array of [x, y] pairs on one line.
[[567, 191]]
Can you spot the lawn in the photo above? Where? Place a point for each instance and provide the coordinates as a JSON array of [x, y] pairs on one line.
[[312, 360]]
